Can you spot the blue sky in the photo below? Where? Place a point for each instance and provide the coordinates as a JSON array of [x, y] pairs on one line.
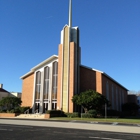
[[109, 37]]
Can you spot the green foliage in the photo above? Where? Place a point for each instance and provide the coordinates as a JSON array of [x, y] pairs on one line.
[[130, 108], [93, 112], [72, 115], [89, 100], [86, 115], [55, 113], [10, 102], [24, 108], [110, 113], [2, 111]]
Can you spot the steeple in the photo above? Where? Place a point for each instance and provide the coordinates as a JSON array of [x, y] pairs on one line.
[[68, 66], [70, 13]]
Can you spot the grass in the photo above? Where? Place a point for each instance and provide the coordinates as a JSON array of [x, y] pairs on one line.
[[119, 120]]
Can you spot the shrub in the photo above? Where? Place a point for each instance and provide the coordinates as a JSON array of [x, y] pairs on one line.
[[110, 113], [86, 115], [12, 111], [2, 111], [55, 113], [24, 108], [93, 112], [16, 110], [72, 115]]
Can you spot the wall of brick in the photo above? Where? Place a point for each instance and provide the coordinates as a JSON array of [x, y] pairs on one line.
[[8, 114], [117, 94], [87, 79], [99, 82], [27, 90]]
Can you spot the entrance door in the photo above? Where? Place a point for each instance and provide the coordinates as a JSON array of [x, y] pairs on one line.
[[37, 104], [45, 107], [54, 105]]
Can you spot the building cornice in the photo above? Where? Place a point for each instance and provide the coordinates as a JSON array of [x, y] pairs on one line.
[[105, 75], [53, 57]]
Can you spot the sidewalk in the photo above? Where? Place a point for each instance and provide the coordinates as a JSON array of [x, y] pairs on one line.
[[110, 127], [76, 121]]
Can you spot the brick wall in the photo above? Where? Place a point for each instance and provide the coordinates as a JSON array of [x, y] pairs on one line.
[[27, 90], [87, 79], [117, 94]]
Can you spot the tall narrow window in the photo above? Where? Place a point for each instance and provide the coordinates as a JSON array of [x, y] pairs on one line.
[[46, 82], [54, 80], [38, 85]]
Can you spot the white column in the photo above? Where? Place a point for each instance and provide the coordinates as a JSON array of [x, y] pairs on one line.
[[50, 90], [33, 100], [41, 92]]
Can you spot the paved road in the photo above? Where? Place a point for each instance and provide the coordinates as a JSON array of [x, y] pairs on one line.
[[22, 132], [86, 126]]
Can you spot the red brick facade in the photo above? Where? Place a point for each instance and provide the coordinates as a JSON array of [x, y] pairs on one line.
[[27, 90], [87, 79]]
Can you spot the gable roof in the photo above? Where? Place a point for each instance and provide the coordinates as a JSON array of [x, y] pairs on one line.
[[105, 75], [48, 60], [3, 90]]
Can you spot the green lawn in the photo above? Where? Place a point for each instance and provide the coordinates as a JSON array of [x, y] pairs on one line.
[[119, 120]]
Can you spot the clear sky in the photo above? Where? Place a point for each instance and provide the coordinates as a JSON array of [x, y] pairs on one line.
[[109, 37]]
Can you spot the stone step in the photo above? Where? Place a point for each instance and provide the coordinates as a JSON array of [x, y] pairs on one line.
[[39, 116]]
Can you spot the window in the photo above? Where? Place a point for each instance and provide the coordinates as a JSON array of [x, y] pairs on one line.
[[46, 82], [38, 85], [54, 80]]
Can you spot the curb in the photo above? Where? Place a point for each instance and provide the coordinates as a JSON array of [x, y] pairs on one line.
[[76, 121]]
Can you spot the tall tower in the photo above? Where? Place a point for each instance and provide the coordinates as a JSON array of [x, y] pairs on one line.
[[68, 65]]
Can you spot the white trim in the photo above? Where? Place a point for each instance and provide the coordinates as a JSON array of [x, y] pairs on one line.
[[30, 72], [41, 92], [33, 101], [45, 62], [105, 75], [50, 88], [61, 103]]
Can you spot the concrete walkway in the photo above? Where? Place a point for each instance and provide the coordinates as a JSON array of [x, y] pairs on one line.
[[75, 125]]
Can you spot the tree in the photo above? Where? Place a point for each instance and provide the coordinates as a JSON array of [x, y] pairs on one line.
[[90, 99], [10, 102], [131, 108]]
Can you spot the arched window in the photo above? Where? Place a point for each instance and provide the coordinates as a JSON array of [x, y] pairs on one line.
[[54, 80], [46, 82], [38, 85]]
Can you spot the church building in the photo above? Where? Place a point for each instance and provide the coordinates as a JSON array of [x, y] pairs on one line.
[[52, 83]]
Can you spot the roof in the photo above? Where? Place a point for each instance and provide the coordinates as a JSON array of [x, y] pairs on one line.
[[105, 75], [3, 90], [53, 57]]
